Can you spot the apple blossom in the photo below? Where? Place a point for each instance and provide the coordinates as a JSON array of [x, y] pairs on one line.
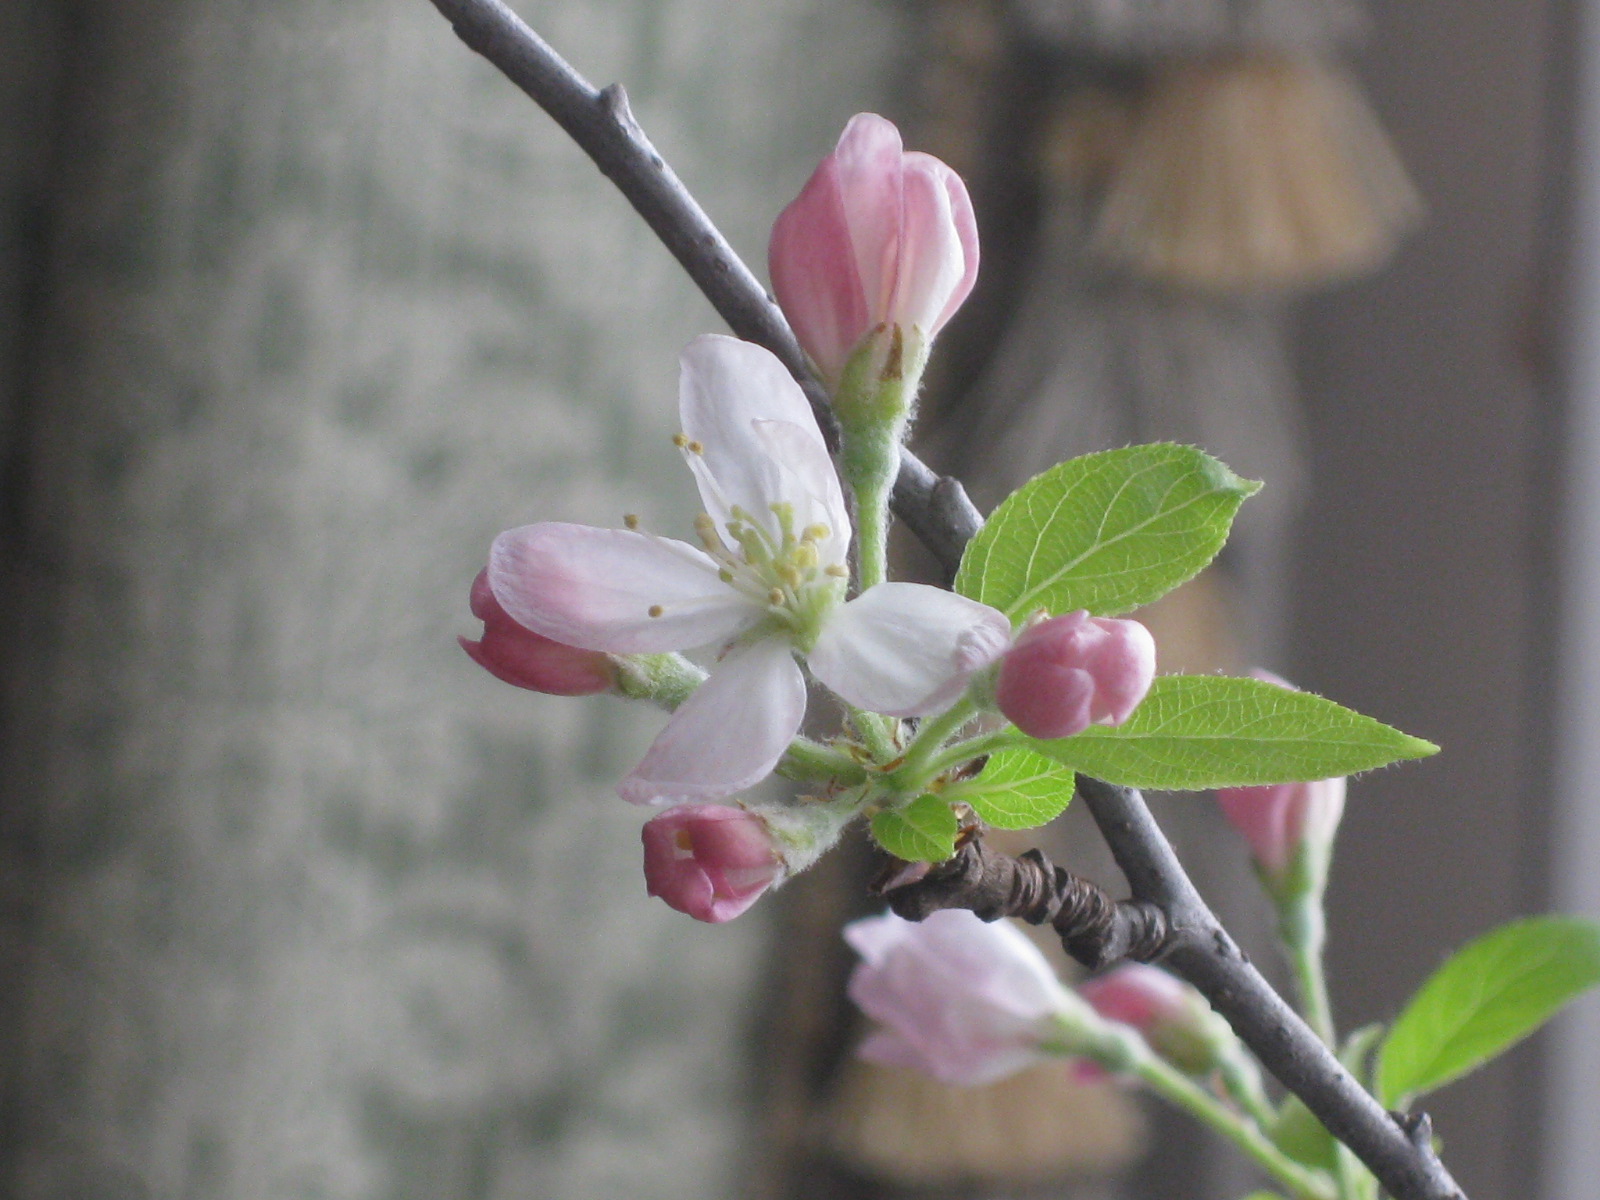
[[529, 660], [877, 238], [766, 584], [711, 861], [964, 1001], [1067, 673]]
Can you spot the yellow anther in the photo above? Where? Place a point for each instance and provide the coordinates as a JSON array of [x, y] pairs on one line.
[[704, 524], [815, 533], [789, 575], [631, 520], [837, 570], [680, 440], [804, 556], [656, 610], [775, 596], [725, 575], [696, 448]]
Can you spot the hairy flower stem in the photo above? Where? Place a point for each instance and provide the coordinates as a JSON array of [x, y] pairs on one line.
[[919, 763], [1170, 1084], [869, 461], [812, 762], [969, 749], [878, 734], [1303, 927]]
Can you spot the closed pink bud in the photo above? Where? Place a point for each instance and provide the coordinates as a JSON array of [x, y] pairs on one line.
[[877, 237], [1067, 673], [529, 660], [1172, 1016], [1289, 825], [711, 861], [1280, 819]]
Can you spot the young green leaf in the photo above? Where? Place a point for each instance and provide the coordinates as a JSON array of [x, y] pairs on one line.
[[1106, 532], [1208, 731], [1018, 789], [1487, 997], [1299, 1134], [922, 831]]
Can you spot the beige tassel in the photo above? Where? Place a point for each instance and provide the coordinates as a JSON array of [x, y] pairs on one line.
[[1041, 1125], [1257, 171]]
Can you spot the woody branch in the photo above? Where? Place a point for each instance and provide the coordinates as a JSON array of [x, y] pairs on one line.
[[938, 512]]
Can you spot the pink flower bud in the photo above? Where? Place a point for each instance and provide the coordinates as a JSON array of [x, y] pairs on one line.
[[1288, 825], [1169, 1014], [711, 861], [876, 237], [527, 659], [1067, 673], [1281, 819], [964, 1001]]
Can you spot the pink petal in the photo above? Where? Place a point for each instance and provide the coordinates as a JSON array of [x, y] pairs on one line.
[[907, 649], [870, 167], [814, 277], [932, 262], [966, 222], [730, 734], [595, 589]]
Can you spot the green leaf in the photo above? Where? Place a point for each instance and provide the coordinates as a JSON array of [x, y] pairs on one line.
[[1207, 731], [1487, 997], [922, 831], [1300, 1135], [1107, 532], [1018, 789]]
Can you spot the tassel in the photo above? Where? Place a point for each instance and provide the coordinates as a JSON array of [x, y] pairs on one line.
[[1254, 172], [1042, 1125]]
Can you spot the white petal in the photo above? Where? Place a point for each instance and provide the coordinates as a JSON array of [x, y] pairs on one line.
[[724, 387], [907, 649], [811, 484], [727, 736], [595, 589]]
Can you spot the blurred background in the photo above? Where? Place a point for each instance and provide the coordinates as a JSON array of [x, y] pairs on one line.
[[301, 303]]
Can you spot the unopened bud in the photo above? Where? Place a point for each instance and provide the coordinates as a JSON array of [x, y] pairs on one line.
[[877, 238], [1169, 1014], [529, 660], [1067, 673], [1290, 826], [711, 861]]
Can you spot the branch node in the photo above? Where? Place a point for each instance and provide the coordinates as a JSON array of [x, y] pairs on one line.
[[1095, 929]]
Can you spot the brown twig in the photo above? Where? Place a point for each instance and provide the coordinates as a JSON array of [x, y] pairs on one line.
[[937, 510]]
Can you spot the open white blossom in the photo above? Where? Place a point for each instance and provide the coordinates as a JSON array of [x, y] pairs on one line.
[[767, 584]]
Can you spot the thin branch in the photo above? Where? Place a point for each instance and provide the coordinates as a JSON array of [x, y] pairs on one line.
[[1203, 953], [938, 511]]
